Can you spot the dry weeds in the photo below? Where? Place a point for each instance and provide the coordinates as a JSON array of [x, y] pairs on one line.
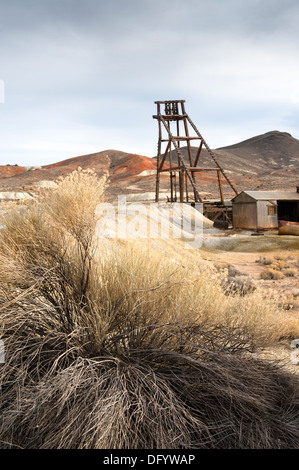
[[115, 346]]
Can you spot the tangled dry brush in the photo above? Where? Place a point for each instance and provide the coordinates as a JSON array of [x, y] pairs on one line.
[[105, 347]]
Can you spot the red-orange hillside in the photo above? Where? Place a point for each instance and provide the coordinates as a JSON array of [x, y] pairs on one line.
[[118, 164], [10, 170]]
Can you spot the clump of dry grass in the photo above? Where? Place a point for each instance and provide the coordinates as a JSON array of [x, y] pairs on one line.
[[265, 260], [270, 273], [232, 271], [239, 286], [112, 346], [277, 267], [156, 398], [291, 272]]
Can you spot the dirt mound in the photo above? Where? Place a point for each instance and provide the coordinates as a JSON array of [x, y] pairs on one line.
[[131, 165], [10, 170]]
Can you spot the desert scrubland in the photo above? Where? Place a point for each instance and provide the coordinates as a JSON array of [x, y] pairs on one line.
[[114, 343]]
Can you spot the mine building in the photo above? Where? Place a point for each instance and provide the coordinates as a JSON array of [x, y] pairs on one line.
[[262, 210]]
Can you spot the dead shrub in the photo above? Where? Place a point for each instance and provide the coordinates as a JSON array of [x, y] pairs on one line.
[[291, 272], [278, 265], [146, 386], [280, 257], [270, 273], [112, 346], [264, 260], [233, 271], [238, 286]]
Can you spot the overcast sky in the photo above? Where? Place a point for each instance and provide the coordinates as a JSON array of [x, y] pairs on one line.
[[81, 76]]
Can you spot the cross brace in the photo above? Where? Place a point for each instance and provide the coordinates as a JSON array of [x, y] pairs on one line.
[[186, 171]]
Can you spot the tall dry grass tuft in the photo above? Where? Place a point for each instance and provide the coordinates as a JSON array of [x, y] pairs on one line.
[[110, 345]]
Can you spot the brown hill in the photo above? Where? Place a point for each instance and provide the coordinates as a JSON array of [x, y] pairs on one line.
[[29, 179], [10, 170], [273, 151], [122, 167], [259, 155], [266, 161]]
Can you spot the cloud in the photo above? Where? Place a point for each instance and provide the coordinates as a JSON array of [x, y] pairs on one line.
[[83, 76]]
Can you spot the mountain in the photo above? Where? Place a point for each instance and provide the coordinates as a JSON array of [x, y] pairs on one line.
[[267, 161], [262, 162], [122, 167], [273, 151], [259, 155]]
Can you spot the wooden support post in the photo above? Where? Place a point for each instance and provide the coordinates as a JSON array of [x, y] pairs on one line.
[[165, 154], [158, 159], [181, 184], [189, 149], [187, 135], [220, 187], [198, 154], [172, 177], [187, 195], [178, 130]]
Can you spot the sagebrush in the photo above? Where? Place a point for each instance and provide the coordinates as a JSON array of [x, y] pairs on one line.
[[113, 345]]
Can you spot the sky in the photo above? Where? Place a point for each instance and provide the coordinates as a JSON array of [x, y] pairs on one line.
[[82, 76]]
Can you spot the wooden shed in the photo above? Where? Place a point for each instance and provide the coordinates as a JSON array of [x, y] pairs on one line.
[[261, 210]]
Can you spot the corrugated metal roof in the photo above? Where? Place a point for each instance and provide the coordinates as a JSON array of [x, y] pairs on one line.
[[272, 195]]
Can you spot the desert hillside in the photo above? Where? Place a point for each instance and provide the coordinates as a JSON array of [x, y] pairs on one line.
[[271, 154], [262, 162]]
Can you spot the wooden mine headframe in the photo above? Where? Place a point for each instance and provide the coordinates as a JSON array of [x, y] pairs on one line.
[[174, 112]]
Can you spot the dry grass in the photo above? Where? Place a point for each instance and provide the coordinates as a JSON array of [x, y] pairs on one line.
[[270, 273], [111, 345], [291, 272], [277, 267], [264, 260]]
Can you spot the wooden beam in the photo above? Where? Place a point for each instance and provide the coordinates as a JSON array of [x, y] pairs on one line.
[[181, 184], [198, 154], [181, 158], [178, 137], [158, 160], [220, 187], [192, 168], [177, 117], [165, 155], [170, 101]]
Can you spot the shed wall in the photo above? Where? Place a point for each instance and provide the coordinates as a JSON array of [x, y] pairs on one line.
[[264, 220], [245, 215]]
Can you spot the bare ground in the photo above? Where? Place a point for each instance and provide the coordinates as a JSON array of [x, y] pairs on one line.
[[287, 289], [248, 265]]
